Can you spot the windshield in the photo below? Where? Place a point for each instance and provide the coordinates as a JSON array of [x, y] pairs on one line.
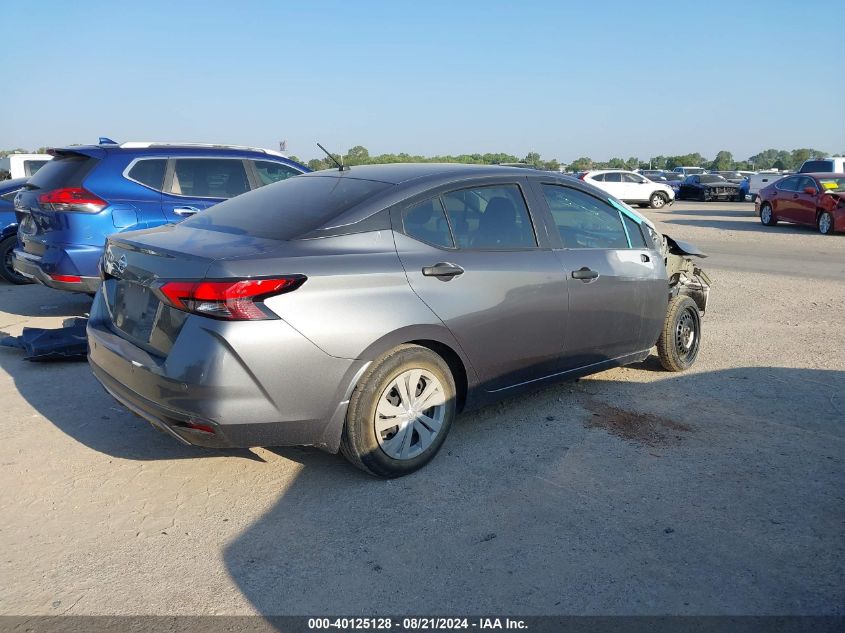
[[711, 178], [832, 184], [289, 208]]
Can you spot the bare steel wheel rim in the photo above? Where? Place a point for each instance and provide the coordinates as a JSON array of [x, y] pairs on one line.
[[824, 223], [657, 201], [766, 214], [686, 334], [410, 414]]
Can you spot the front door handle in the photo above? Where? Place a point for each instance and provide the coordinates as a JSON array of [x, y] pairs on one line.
[[645, 258], [185, 211], [443, 269], [585, 274]]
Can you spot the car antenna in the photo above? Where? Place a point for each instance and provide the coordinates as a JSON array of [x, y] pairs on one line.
[[340, 165]]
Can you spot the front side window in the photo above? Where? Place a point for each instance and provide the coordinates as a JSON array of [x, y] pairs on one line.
[[490, 218], [149, 172], [806, 182], [632, 178], [426, 222], [270, 172], [209, 177], [787, 184], [584, 221], [634, 232]]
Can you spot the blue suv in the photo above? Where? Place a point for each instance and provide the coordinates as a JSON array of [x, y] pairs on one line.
[[86, 193]]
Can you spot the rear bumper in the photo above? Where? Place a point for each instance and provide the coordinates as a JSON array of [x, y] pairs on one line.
[[248, 384], [40, 268]]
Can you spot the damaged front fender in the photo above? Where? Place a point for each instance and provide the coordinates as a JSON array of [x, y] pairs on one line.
[[685, 276]]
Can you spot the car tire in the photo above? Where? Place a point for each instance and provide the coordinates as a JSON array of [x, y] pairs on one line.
[[767, 215], [825, 223], [370, 442], [680, 338], [7, 246], [657, 200]]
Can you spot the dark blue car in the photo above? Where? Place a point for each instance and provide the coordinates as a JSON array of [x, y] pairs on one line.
[[9, 229], [86, 193]]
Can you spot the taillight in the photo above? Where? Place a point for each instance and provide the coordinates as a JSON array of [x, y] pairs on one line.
[[67, 279], [231, 300], [72, 199]]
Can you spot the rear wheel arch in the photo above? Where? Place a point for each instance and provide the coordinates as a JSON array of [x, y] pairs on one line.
[[438, 339], [456, 365]]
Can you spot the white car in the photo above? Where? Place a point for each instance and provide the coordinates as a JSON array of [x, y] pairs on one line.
[[631, 188], [23, 165]]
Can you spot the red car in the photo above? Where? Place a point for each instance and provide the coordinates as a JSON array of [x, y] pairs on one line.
[[811, 199]]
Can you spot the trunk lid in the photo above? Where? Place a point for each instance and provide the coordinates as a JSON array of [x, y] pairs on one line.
[[136, 263]]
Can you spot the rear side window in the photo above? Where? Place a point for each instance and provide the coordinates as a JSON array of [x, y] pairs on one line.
[[149, 172], [634, 233], [209, 177], [599, 177], [584, 221], [30, 167], [787, 184], [490, 218], [426, 222], [613, 177], [65, 170], [287, 209], [270, 172]]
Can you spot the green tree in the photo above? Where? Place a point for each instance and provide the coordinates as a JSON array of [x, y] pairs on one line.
[[357, 155], [580, 164], [533, 158], [724, 161]]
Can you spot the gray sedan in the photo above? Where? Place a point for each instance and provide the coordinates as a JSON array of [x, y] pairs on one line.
[[361, 309]]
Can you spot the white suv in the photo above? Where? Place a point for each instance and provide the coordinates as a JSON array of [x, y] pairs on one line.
[[631, 188]]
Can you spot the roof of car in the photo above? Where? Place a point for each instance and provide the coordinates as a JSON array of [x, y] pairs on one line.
[[396, 173], [823, 174]]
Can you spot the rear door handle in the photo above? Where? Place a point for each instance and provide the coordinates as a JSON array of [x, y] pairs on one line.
[[585, 274], [644, 257], [185, 211], [443, 269]]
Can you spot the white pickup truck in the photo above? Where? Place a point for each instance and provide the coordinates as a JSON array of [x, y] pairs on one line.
[[22, 165]]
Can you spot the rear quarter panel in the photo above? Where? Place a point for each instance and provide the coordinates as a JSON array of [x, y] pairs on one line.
[[356, 302]]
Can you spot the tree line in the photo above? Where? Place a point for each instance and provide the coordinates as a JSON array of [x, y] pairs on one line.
[[723, 161]]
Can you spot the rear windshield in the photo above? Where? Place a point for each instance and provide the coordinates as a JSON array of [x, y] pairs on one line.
[[832, 184], [811, 166], [289, 208], [65, 170]]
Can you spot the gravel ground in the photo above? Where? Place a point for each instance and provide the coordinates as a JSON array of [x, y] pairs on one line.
[[634, 491]]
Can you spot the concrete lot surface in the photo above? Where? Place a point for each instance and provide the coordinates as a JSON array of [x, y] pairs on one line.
[[635, 491]]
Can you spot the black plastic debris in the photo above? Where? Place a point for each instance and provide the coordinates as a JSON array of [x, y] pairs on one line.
[[68, 342]]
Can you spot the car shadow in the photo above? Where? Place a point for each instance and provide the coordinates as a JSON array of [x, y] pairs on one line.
[[610, 496], [35, 300], [721, 212], [103, 424]]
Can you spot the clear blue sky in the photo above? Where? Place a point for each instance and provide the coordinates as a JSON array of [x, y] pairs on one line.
[[565, 79]]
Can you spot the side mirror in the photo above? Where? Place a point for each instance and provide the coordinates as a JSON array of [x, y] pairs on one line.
[[810, 190]]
